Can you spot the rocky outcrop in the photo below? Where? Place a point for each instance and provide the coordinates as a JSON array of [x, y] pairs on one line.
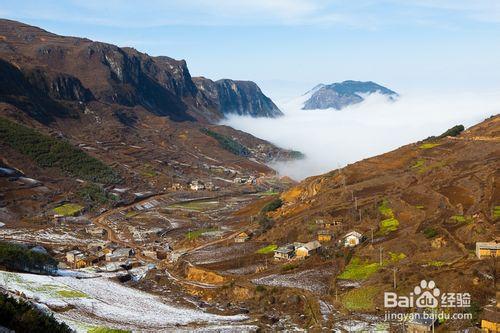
[[340, 95], [243, 98], [81, 70]]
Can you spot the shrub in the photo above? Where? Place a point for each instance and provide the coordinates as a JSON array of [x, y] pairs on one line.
[[19, 258], [430, 232], [360, 298], [454, 131], [272, 206], [46, 151], [288, 267], [20, 316], [228, 143]]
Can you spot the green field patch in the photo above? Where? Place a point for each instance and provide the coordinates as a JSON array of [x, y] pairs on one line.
[[360, 298], [71, 294], [269, 192], [420, 163], [385, 210], [69, 209], [428, 145], [388, 225], [436, 263], [103, 329], [131, 213], [462, 219], [358, 270], [496, 212], [397, 256], [191, 235], [267, 249], [420, 207]]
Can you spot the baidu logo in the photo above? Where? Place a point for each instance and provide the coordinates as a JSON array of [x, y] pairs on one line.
[[426, 295]]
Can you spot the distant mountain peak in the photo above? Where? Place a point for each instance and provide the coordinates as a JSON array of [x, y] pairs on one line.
[[341, 94]]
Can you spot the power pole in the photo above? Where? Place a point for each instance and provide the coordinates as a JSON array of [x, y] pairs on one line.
[[356, 203], [359, 215], [380, 255], [371, 229], [394, 270]]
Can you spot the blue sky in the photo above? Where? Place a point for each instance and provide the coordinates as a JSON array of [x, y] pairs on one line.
[[288, 46]]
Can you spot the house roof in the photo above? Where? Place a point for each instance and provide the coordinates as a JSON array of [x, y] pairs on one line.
[[488, 245], [284, 249], [353, 233], [313, 245]]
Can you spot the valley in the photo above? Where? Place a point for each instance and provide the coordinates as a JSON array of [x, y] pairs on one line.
[[125, 204]]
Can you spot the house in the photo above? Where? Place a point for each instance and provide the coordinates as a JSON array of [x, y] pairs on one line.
[[487, 249], [325, 224], [324, 236], [421, 324], [197, 185], [120, 254], [80, 263], [490, 320], [352, 239], [96, 231], [211, 187], [307, 249], [284, 252], [74, 255], [242, 237]]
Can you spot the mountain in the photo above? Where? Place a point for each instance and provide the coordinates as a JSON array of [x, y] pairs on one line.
[[75, 112], [81, 70], [340, 95], [421, 209], [238, 97]]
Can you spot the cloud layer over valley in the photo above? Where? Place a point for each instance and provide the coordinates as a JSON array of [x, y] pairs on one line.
[[331, 139]]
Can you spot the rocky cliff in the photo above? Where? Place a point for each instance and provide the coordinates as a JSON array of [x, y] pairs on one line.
[[80, 70], [238, 97]]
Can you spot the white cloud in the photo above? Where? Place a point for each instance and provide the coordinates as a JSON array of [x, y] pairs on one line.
[[335, 138]]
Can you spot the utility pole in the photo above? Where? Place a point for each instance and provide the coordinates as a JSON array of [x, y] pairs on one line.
[[356, 203], [359, 215], [394, 270], [371, 229], [380, 257]]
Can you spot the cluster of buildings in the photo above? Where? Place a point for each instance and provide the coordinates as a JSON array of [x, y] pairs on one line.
[[98, 254], [198, 185], [297, 250], [251, 180]]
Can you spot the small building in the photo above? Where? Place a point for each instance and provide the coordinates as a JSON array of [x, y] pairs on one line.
[[197, 185], [284, 252], [490, 320], [352, 239], [421, 324], [324, 236], [307, 249], [73, 255], [487, 249], [120, 254], [96, 231], [80, 263], [242, 237]]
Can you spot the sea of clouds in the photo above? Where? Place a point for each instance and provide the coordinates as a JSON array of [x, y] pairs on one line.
[[332, 139]]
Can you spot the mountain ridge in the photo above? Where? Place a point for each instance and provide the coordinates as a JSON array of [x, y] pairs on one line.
[[341, 94]]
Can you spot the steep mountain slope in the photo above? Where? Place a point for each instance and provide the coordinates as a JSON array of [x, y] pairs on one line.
[[238, 97], [142, 116], [80, 70], [421, 208], [340, 95]]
